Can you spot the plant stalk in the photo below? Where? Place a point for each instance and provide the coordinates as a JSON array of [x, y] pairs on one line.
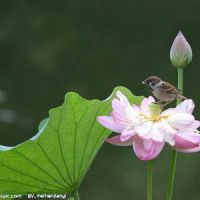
[[149, 180], [174, 153], [76, 195]]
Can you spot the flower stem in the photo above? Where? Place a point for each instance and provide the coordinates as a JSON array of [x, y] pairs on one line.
[[171, 175], [149, 179], [180, 82], [174, 153]]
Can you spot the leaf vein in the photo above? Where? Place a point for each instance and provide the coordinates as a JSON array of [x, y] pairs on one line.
[[61, 152], [37, 179], [91, 155], [56, 167], [75, 132], [88, 140], [25, 184], [44, 171]]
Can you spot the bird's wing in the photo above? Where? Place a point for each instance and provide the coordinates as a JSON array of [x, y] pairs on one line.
[[169, 88]]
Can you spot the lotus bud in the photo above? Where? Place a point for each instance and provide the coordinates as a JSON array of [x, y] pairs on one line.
[[180, 52]]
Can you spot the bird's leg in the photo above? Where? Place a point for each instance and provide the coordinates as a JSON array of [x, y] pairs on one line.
[[166, 103]]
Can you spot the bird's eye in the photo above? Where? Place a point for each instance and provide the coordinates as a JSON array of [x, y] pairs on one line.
[[152, 83]]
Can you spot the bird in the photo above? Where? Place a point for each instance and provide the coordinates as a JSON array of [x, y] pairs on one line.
[[164, 91]]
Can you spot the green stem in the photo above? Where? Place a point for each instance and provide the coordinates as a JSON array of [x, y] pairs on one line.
[[180, 82], [174, 153], [171, 175], [76, 195], [149, 179]]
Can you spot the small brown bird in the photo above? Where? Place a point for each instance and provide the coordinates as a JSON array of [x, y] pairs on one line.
[[163, 90]]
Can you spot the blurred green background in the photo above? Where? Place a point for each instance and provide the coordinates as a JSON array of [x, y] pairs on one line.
[[50, 47]]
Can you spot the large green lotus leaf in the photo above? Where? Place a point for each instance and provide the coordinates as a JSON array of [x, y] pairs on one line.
[[57, 158]]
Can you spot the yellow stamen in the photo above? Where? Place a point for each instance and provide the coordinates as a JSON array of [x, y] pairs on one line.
[[157, 118]]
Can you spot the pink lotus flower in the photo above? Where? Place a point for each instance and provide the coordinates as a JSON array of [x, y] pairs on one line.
[[148, 129]]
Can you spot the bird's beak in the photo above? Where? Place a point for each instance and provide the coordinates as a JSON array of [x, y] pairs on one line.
[[143, 82]]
